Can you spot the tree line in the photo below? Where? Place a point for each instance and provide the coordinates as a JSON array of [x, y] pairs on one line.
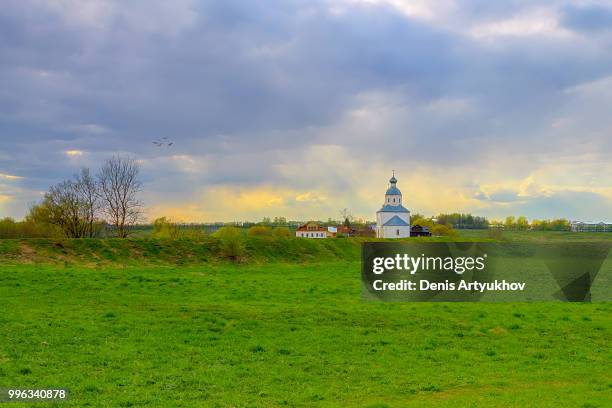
[[84, 205], [463, 221], [521, 223], [510, 223]]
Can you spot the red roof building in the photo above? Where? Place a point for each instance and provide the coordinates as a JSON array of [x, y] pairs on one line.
[[311, 230]]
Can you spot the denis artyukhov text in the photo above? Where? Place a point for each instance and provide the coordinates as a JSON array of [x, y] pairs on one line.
[[413, 264]]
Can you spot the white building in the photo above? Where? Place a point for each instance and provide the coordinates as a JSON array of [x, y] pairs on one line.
[[591, 226], [393, 219], [311, 230]]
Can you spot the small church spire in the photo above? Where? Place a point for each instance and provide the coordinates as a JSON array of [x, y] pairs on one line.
[[393, 180]]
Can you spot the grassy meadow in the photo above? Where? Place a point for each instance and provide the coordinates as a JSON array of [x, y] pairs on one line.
[[163, 323]]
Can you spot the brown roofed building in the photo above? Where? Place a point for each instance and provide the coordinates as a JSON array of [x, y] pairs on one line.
[[366, 231], [311, 230], [343, 230]]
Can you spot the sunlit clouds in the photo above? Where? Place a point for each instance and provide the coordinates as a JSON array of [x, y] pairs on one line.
[[9, 177]]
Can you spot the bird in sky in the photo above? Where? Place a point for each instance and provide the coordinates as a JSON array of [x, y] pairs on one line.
[[164, 141]]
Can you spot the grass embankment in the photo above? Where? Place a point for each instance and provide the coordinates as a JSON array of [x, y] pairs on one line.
[[141, 251], [151, 251]]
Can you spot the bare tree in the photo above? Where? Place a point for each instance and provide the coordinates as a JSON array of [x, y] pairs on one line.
[[119, 188], [347, 217], [87, 190]]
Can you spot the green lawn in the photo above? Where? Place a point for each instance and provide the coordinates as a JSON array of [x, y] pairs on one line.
[[277, 334]]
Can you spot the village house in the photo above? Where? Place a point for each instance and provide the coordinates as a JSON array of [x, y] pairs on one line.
[[419, 231], [349, 231], [312, 229], [345, 231]]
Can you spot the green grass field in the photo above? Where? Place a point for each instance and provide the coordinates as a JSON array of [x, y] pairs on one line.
[[162, 324]]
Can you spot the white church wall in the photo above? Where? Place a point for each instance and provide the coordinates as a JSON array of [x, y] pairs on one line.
[[396, 232]]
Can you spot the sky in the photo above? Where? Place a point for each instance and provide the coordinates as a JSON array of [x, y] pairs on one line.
[[302, 108]]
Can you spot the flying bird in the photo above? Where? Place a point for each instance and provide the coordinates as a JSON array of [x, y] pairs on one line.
[[164, 141]]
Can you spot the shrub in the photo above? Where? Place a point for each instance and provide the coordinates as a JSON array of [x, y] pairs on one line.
[[423, 222], [191, 233], [230, 242], [443, 230], [164, 228], [10, 228], [281, 232], [259, 231], [495, 233]]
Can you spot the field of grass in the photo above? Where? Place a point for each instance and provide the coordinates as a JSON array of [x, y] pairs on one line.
[[153, 329], [535, 236]]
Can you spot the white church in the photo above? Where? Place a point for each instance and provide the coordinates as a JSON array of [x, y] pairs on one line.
[[393, 219]]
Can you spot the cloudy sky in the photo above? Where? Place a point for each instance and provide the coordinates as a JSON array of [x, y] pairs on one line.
[[301, 108]]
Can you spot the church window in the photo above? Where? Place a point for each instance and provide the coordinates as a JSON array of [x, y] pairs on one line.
[[397, 232]]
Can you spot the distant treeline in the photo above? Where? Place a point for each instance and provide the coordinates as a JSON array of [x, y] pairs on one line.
[[511, 223], [462, 221], [523, 224]]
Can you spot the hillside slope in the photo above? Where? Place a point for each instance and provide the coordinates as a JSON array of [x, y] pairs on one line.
[[143, 251], [190, 251]]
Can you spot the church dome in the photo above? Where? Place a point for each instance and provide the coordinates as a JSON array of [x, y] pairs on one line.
[[393, 191]]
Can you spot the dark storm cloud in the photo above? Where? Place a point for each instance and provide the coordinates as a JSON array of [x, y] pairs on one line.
[[241, 67]]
